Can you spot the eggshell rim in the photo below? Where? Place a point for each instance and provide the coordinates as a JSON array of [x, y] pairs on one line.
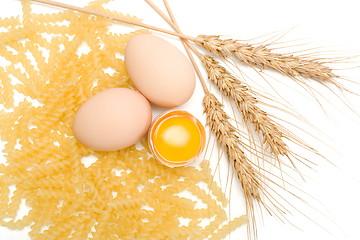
[[161, 118]]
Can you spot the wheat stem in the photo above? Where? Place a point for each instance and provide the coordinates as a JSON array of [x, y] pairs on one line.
[[116, 18], [172, 22], [176, 27]]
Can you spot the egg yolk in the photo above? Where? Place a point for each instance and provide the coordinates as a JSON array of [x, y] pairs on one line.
[[177, 139]]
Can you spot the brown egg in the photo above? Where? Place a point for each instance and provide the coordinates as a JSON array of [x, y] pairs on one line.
[[159, 70], [112, 119]]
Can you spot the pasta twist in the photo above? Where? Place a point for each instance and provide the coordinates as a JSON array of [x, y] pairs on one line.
[[124, 194]]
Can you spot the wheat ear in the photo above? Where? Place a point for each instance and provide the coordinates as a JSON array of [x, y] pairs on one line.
[[247, 105], [225, 133], [260, 56]]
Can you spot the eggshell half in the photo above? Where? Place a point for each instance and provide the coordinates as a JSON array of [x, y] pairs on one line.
[[112, 119], [159, 70]]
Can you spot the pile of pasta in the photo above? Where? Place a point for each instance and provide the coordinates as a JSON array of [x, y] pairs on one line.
[[122, 195]]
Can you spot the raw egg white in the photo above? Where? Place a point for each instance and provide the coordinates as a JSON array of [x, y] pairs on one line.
[[159, 70], [112, 119]]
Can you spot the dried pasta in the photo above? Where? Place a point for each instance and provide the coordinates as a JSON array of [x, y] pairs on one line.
[[124, 194]]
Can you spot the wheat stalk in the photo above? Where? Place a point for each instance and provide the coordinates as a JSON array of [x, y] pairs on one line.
[[259, 56], [262, 57], [250, 175]]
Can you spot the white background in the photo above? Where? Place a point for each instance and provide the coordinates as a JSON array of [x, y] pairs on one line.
[[333, 24]]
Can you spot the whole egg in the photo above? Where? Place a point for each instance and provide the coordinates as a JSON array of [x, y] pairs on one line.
[[112, 119], [160, 71]]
